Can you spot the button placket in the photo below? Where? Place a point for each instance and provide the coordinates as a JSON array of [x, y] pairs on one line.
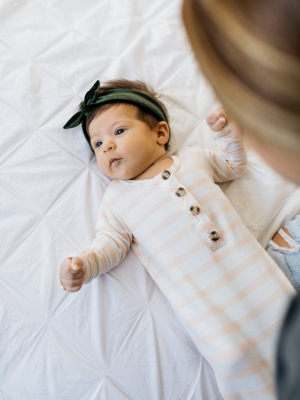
[[186, 201]]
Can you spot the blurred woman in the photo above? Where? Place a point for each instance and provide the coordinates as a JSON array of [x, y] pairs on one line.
[[249, 51]]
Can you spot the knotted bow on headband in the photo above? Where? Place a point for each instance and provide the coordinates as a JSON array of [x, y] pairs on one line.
[[93, 99]]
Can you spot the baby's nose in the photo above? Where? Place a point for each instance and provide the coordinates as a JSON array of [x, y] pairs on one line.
[[109, 146]]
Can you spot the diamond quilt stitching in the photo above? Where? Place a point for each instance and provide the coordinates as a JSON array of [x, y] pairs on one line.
[[118, 338]]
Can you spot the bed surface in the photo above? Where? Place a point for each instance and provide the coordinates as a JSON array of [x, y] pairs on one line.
[[117, 338]]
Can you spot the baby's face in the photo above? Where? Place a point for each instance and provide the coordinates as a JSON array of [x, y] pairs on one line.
[[125, 147]]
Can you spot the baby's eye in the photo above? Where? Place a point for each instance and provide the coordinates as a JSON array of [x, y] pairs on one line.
[[119, 131], [98, 144]]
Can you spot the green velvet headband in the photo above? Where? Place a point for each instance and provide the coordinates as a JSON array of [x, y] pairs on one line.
[[93, 99]]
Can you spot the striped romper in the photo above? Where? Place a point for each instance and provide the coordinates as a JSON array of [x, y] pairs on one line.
[[226, 290]]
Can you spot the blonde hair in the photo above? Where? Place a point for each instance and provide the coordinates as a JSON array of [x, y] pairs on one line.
[[250, 53]]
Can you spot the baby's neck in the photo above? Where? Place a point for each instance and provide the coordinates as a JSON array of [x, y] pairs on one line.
[[159, 166]]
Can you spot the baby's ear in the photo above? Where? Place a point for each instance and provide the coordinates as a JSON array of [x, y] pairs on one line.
[[162, 130]]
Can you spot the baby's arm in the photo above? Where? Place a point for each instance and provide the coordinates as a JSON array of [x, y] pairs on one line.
[[108, 249], [232, 161]]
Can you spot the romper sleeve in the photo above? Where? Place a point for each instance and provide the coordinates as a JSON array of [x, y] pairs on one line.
[[108, 249], [231, 162]]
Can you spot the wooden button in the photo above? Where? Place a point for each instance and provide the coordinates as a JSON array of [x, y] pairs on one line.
[[180, 192], [195, 210], [166, 174], [214, 235]]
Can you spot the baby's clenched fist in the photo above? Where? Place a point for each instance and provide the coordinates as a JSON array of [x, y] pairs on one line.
[[71, 274], [216, 119]]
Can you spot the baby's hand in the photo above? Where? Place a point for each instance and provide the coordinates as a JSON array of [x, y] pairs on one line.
[[71, 274], [216, 119]]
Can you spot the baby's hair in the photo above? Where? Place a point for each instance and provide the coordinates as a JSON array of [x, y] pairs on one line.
[[141, 114]]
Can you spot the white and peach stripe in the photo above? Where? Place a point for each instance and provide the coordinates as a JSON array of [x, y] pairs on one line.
[[228, 293]]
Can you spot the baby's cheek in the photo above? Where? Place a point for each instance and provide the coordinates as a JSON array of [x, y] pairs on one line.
[[101, 165]]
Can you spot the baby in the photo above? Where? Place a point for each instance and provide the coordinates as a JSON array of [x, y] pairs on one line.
[[226, 290]]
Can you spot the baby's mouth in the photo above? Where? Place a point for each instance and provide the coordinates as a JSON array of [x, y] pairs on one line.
[[114, 161]]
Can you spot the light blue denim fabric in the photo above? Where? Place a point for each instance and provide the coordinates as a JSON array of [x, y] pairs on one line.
[[288, 260]]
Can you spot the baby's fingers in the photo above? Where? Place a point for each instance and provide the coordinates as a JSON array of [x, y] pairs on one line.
[[72, 273], [73, 283], [219, 125], [216, 124], [71, 276], [77, 263], [211, 119], [73, 289]]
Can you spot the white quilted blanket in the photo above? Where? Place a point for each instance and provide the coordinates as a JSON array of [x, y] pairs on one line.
[[117, 338]]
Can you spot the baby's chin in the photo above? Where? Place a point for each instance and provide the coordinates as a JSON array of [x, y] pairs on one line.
[[125, 176]]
